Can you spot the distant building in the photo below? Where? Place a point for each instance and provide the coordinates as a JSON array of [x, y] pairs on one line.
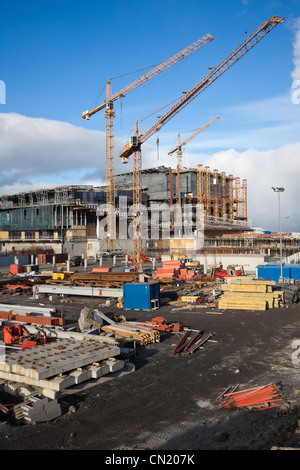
[[70, 218]]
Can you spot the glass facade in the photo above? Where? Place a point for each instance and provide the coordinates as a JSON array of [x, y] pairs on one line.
[[32, 218]]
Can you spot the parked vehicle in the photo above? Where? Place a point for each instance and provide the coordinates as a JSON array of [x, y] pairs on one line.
[[76, 261]]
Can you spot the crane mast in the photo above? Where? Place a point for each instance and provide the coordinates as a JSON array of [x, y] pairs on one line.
[[110, 137], [134, 146], [110, 172]]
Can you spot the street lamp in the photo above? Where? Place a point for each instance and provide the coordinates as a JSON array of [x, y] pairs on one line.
[[279, 190]]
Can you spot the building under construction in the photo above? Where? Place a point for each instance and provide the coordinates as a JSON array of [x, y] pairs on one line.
[[69, 213], [68, 218], [224, 198]]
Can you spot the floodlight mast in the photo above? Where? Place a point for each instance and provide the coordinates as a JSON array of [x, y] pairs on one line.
[[279, 190]]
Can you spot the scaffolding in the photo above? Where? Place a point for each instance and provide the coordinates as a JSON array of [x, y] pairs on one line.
[[230, 199], [238, 197], [207, 197], [216, 193], [200, 199], [244, 201], [223, 195]]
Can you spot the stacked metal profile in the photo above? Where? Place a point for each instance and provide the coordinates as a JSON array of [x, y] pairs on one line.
[[256, 398], [191, 345]]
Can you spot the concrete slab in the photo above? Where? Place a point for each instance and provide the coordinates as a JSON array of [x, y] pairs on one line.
[[56, 358]]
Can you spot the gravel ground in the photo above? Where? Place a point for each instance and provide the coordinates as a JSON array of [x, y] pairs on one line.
[[170, 402]]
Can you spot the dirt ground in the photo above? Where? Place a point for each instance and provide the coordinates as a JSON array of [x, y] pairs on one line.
[[170, 402]]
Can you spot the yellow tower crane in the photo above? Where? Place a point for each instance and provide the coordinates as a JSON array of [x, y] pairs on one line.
[[188, 139], [110, 141], [136, 141]]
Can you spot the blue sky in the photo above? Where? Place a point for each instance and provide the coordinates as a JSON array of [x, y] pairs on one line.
[[57, 56]]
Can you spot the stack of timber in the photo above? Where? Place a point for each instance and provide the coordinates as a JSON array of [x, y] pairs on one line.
[[246, 293], [128, 331]]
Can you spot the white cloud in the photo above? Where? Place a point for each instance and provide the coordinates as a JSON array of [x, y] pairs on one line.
[[36, 149], [262, 169], [37, 153]]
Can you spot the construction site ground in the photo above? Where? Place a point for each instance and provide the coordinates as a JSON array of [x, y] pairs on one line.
[[170, 402]]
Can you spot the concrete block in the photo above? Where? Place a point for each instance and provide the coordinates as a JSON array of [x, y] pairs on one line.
[[40, 409], [12, 388], [115, 365], [81, 375], [99, 370], [25, 391]]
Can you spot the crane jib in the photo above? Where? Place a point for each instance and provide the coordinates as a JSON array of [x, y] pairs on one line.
[[252, 40], [153, 73]]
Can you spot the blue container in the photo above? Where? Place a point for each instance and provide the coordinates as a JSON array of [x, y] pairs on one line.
[[141, 295], [273, 271], [295, 271]]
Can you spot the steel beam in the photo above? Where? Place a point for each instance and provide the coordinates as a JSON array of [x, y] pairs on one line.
[[77, 290]]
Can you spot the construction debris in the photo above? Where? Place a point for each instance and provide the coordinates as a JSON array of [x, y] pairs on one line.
[[61, 362], [89, 319]]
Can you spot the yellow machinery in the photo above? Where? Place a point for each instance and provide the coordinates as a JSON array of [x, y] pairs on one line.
[[62, 276]]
